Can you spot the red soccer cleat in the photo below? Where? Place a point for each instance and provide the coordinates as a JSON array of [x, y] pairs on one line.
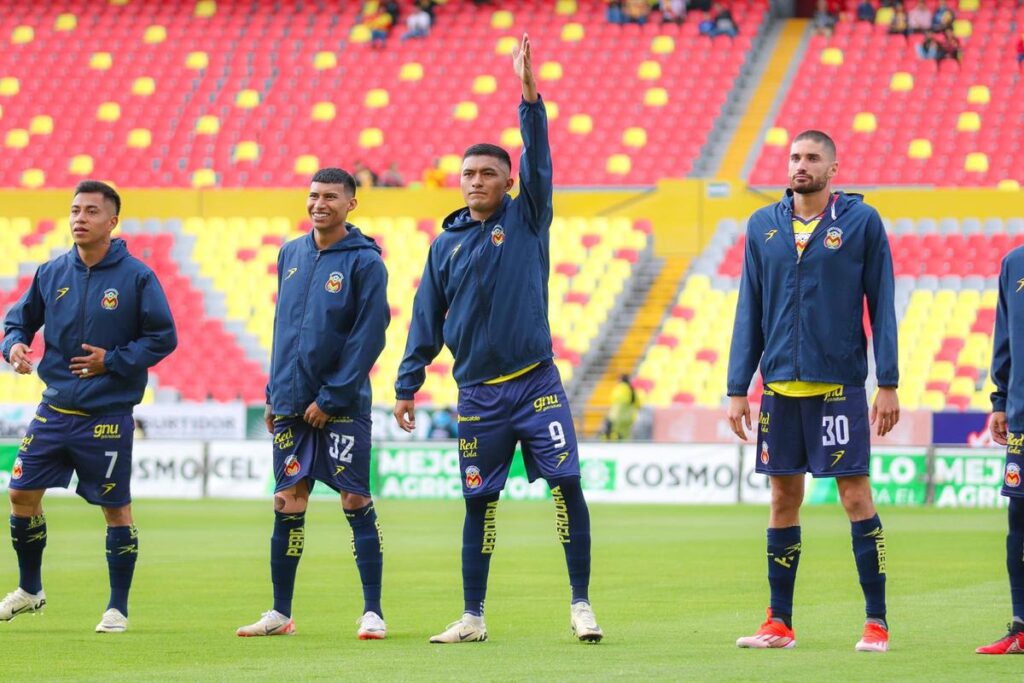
[[875, 639], [1010, 644], [772, 634]]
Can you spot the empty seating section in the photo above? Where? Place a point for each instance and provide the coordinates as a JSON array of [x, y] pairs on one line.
[[234, 93], [901, 119], [946, 290]]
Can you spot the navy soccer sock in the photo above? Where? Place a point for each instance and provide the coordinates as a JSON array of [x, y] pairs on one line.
[[783, 560], [122, 552], [479, 533], [368, 548], [1015, 556], [286, 546], [572, 526], [28, 536], [869, 553]]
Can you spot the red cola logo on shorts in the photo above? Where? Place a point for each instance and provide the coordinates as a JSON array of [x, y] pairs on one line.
[[1012, 478], [473, 478], [291, 466]]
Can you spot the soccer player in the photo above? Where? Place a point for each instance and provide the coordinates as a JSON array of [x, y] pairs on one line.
[[810, 262], [332, 312], [107, 322], [1007, 426], [484, 293]]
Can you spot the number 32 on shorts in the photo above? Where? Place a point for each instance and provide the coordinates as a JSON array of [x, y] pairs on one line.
[[341, 446], [835, 430]]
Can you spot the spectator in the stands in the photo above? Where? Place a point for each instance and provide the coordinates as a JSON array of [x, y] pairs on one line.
[[391, 177], [613, 12], [698, 5], [394, 10], [824, 21], [672, 11], [417, 25], [866, 11], [363, 175], [435, 175], [380, 24], [929, 49], [949, 45], [428, 7], [1020, 51], [636, 11], [721, 22], [900, 24], [943, 17], [920, 18]]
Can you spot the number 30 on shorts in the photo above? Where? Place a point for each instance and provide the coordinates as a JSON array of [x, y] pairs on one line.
[[341, 446], [835, 430]]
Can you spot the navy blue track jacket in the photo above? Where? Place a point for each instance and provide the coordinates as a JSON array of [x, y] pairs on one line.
[[117, 305], [332, 313], [802, 318], [484, 290], [1008, 342]]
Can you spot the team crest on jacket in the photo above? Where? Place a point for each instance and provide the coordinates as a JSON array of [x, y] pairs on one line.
[[764, 453], [833, 238], [334, 282], [109, 300], [1012, 478], [17, 470], [473, 478], [291, 466], [497, 236]]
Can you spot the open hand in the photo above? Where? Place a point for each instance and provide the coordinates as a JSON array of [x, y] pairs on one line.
[[91, 365]]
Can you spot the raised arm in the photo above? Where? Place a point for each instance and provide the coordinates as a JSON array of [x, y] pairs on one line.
[[535, 184]]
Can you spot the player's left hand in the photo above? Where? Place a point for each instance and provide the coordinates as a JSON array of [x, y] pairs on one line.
[[91, 365], [315, 417], [886, 411]]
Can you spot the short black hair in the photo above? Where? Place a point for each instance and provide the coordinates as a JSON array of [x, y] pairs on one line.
[[820, 138], [95, 186], [336, 176], [485, 149]]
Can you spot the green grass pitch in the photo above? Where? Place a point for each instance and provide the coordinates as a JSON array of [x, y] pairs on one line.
[[672, 586]]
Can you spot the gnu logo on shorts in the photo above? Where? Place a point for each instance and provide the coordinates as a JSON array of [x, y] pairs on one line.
[[764, 453], [334, 282], [291, 466], [473, 478], [497, 236], [833, 238], [1012, 478], [109, 301], [17, 470]]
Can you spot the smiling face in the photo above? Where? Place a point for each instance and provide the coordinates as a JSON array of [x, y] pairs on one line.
[[328, 205], [92, 219], [485, 180], [811, 166]]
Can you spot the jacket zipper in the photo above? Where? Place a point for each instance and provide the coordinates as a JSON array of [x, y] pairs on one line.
[[302, 320], [799, 258], [81, 334], [487, 318]]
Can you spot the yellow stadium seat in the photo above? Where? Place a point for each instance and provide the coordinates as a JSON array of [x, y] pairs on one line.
[[962, 28], [411, 71], [371, 137], [511, 137], [505, 45], [65, 22], [485, 84], [22, 35], [976, 162], [565, 7], [649, 70], [776, 137], [41, 124], [978, 94], [324, 60], [139, 138], [580, 124], [247, 99], [656, 97], [942, 371], [466, 111], [108, 111], [1008, 185], [550, 71], [205, 9], [197, 60], [933, 400], [377, 98], [246, 151], [619, 164], [969, 5], [572, 32], [961, 386], [204, 177], [663, 45], [16, 138], [154, 34], [1, 112], [101, 61], [324, 111], [883, 17], [359, 34], [865, 122], [552, 108], [207, 125], [832, 56], [144, 86], [920, 148], [9, 86], [501, 19], [634, 137], [451, 164], [901, 81], [33, 178], [80, 164], [968, 122]]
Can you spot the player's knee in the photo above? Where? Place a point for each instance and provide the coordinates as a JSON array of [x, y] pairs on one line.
[[119, 516], [289, 503], [855, 495], [25, 503], [354, 501]]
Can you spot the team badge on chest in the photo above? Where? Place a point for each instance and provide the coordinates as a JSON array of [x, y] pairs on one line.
[[497, 236], [334, 282], [833, 238], [109, 301]]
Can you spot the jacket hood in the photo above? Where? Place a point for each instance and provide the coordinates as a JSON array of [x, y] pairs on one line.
[[118, 252], [355, 239], [837, 204], [460, 218]]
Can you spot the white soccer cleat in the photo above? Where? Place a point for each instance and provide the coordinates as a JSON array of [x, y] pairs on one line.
[[112, 622], [271, 623], [468, 629], [19, 602], [371, 627], [584, 623]]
